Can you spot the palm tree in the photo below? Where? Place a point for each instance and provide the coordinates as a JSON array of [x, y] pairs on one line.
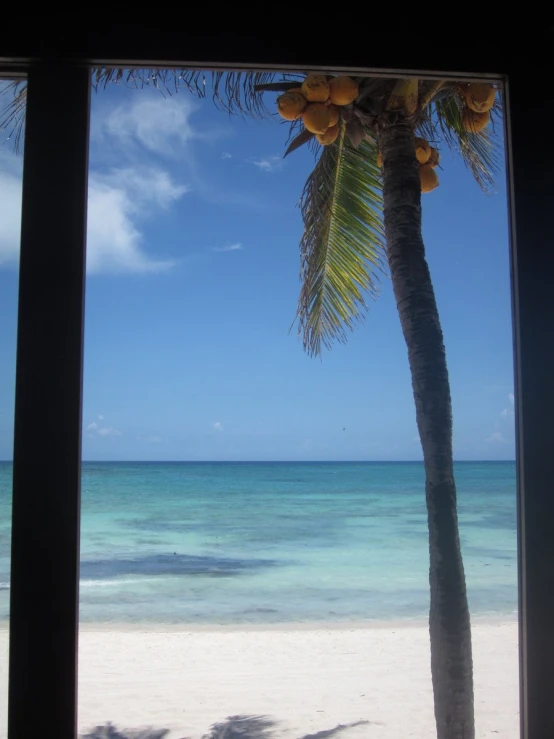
[[358, 220]]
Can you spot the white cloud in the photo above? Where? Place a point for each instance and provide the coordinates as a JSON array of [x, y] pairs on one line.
[[149, 188], [108, 431], [496, 438], [508, 412], [160, 125], [226, 155], [217, 426], [230, 247], [269, 164], [118, 200], [93, 430], [503, 424]]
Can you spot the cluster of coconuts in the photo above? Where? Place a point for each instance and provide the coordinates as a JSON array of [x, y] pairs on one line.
[[479, 99], [428, 158], [317, 102]]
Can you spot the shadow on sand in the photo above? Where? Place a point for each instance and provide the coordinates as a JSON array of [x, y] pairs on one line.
[[109, 731], [234, 727]]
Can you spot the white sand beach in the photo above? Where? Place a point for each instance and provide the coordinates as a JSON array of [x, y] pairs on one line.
[[304, 680]]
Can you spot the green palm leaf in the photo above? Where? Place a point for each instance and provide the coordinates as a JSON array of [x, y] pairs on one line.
[[342, 248]]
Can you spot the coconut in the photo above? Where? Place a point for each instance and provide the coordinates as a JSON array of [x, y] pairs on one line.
[[290, 105], [335, 115], [316, 117], [428, 178], [475, 122], [434, 158], [379, 159], [315, 88], [480, 97], [422, 150], [329, 137], [343, 90]]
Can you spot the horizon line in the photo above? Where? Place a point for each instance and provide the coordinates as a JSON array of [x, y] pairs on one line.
[[272, 461]]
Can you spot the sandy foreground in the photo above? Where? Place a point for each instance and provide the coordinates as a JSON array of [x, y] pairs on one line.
[[359, 681]]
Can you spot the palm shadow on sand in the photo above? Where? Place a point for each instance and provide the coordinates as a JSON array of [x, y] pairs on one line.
[[109, 731], [234, 727]]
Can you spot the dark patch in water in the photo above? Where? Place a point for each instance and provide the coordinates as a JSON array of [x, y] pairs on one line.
[[170, 564]]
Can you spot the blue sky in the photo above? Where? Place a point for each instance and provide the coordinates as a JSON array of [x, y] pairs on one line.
[[192, 284]]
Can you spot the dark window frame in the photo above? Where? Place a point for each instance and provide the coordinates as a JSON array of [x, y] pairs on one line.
[[46, 492]]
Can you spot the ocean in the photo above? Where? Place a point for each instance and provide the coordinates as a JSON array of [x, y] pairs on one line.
[[277, 542]]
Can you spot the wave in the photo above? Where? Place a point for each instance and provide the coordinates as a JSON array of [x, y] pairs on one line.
[[101, 583], [115, 583]]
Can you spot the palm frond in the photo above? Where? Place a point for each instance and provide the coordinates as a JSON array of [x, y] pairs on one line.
[[342, 248], [428, 89], [12, 116], [302, 138], [276, 86], [233, 92], [481, 152], [239, 93]]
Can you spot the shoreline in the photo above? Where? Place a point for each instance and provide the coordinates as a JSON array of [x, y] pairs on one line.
[[159, 627]]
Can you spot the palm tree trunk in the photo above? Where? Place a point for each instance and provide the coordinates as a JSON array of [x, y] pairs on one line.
[[449, 623]]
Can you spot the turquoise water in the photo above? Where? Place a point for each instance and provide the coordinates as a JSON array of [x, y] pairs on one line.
[[277, 542]]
